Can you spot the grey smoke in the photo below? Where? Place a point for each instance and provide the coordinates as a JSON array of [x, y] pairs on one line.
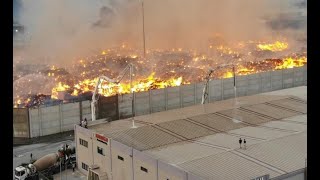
[[67, 30], [106, 16]]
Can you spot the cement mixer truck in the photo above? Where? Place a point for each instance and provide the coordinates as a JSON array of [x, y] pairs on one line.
[[46, 165]]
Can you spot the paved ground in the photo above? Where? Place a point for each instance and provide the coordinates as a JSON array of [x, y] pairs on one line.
[[21, 154], [69, 175]]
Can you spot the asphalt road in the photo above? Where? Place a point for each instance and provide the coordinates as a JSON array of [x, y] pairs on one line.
[[21, 154]]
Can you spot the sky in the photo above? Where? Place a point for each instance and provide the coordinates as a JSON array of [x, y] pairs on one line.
[[65, 29]]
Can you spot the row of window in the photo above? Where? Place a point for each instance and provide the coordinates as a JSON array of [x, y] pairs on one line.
[[84, 166], [83, 142], [100, 151]]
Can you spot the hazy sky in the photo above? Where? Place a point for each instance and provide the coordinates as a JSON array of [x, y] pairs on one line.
[[67, 28]]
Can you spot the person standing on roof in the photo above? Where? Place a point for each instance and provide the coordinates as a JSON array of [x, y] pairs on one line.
[[240, 141], [244, 143], [85, 123]]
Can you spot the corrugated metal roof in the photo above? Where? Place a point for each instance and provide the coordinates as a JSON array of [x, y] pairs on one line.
[[226, 140], [271, 111], [143, 138], [287, 153], [290, 104], [298, 119], [245, 116], [114, 126], [214, 155], [286, 125], [217, 122], [261, 133], [186, 129], [226, 166], [182, 152]]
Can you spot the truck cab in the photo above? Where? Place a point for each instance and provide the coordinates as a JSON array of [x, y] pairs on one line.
[[20, 173]]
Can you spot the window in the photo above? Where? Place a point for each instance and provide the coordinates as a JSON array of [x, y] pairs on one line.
[[83, 142], [100, 150], [22, 173], [144, 169], [121, 158], [84, 166]]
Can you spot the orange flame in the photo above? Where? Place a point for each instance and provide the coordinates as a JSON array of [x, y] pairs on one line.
[[277, 46]]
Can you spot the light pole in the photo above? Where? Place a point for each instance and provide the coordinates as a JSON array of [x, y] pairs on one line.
[[60, 170], [143, 32]]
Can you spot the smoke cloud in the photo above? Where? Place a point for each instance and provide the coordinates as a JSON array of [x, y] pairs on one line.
[[65, 30]]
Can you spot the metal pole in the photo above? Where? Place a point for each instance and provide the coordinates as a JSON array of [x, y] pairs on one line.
[[144, 41], [60, 170]]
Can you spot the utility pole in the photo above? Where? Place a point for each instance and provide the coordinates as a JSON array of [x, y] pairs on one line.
[[143, 33], [60, 170]]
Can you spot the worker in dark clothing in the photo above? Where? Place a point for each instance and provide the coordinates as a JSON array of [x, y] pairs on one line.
[[240, 142], [80, 122], [73, 166], [31, 156], [244, 143], [85, 123]]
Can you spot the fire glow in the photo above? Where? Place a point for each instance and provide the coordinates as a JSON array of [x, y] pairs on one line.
[[164, 68]]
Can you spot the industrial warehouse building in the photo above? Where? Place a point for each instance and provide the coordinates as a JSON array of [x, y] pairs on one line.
[[201, 142]]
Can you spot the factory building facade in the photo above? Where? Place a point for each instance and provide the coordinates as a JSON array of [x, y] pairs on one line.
[[201, 142]]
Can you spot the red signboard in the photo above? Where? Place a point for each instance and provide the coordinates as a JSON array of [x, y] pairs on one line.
[[102, 138]]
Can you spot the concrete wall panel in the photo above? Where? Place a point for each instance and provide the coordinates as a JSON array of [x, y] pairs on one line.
[[158, 100], [276, 80], [125, 105], [215, 88], [144, 166], [242, 85], [21, 122], [188, 95], [166, 171], [35, 121], [173, 98], [305, 72], [254, 84], [265, 81], [121, 161], [142, 103], [288, 78], [199, 91]]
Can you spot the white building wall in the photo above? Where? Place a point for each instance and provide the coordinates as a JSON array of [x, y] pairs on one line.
[[142, 162], [121, 161], [84, 154], [103, 161]]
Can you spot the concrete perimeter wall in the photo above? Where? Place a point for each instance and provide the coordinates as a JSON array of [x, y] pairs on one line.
[[220, 89], [20, 123], [61, 118], [55, 119]]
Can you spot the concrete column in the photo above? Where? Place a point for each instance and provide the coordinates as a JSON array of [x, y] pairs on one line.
[[150, 102], [80, 112], [166, 98], [209, 92], [29, 124], [195, 93], [180, 94], [40, 121], [282, 78], [270, 72], [134, 104], [60, 117], [260, 87], [222, 90]]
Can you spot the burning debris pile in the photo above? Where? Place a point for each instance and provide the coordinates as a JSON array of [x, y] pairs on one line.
[[161, 68]]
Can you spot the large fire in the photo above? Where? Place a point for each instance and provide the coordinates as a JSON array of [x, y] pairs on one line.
[[160, 69], [277, 46]]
